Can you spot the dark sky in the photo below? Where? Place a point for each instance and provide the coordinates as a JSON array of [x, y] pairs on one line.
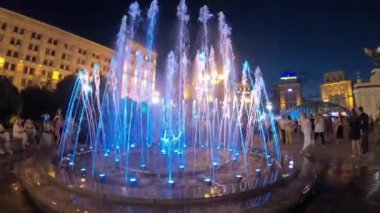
[[309, 37]]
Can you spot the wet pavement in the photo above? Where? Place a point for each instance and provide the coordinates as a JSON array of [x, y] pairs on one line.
[[344, 184], [13, 197]]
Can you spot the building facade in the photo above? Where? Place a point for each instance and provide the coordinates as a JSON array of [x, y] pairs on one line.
[[337, 89], [289, 91], [33, 53], [367, 94]]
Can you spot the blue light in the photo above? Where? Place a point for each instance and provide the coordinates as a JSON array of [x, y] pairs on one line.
[[102, 177], [132, 179], [181, 166], [171, 181], [106, 154], [71, 163], [215, 163], [142, 165], [133, 145]]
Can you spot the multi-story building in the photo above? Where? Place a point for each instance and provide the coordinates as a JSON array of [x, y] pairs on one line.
[[33, 53], [337, 89], [289, 91]]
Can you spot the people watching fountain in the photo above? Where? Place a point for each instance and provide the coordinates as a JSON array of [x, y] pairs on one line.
[[5, 146], [354, 133], [47, 137], [364, 129], [30, 131], [339, 129], [307, 131], [290, 126], [319, 129], [282, 124], [19, 132], [58, 125]]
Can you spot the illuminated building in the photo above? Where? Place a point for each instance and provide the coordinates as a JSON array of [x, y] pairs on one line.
[[289, 92], [337, 89], [33, 53], [367, 94]]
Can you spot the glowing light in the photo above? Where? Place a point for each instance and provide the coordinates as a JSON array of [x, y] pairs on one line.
[[290, 90], [55, 75], [2, 62], [269, 107]]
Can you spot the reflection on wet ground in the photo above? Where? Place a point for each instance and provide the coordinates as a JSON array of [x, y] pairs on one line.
[[344, 185], [13, 197]]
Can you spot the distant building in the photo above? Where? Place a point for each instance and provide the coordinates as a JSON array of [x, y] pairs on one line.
[[337, 89], [368, 94], [289, 92], [33, 53]]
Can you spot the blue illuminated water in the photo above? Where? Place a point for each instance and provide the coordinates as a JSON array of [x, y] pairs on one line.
[[204, 123]]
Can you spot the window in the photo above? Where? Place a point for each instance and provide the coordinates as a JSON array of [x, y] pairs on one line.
[[81, 51], [9, 66], [15, 41], [11, 53], [31, 58], [29, 70], [18, 30], [38, 37], [48, 62], [53, 41], [33, 47], [66, 56], [3, 26], [49, 74], [33, 35], [64, 67], [50, 52]]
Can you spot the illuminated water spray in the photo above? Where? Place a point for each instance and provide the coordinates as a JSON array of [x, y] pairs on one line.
[[204, 129]]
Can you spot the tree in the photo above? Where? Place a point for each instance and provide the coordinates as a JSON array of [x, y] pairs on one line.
[[65, 89], [37, 101], [10, 101], [63, 92]]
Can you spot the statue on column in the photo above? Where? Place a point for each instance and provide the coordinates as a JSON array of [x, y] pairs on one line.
[[375, 54]]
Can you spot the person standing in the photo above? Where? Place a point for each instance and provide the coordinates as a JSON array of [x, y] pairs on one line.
[[19, 132], [364, 129], [5, 147], [30, 131], [339, 129], [307, 131], [282, 124], [354, 133], [289, 130], [319, 129], [58, 126]]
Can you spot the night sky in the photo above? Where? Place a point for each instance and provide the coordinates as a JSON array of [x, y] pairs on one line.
[[309, 37]]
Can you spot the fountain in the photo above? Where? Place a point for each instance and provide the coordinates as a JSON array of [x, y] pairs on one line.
[[119, 149]]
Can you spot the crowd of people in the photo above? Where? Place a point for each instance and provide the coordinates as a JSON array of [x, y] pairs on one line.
[[45, 133], [332, 129]]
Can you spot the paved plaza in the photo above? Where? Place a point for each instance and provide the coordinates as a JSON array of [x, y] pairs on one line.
[[342, 183]]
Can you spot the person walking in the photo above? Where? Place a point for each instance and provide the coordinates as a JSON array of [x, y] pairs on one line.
[[354, 133], [364, 129], [307, 131], [319, 130], [282, 124], [339, 129]]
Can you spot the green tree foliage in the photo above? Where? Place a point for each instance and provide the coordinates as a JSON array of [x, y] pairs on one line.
[[37, 101], [10, 100]]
